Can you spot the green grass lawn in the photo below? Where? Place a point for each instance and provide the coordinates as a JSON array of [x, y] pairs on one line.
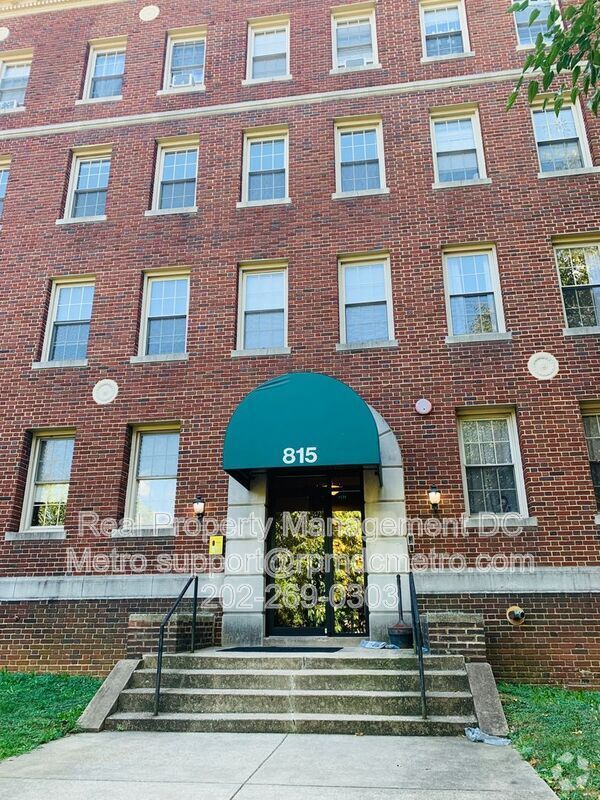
[[558, 732], [37, 708]]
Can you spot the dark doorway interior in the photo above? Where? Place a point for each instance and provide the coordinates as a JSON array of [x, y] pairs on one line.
[[316, 580]]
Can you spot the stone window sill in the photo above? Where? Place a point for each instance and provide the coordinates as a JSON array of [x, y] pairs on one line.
[[76, 362], [78, 220], [493, 521], [159, 358], [461, 184], [43, 534], [16, 110], [450, 57], [143, 533], [181, 90], [259, 203], [565, 173], [258, 81], [373, 344], [344, 70], [365, 193], [475, 338], [87, 101], [162, 212], [264, 352], [584, 331]]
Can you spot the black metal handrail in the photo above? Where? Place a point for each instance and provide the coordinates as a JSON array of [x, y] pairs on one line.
[[161, 636], [418, 641]]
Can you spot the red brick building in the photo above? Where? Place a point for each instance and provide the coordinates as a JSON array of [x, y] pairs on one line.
[[200, 198]]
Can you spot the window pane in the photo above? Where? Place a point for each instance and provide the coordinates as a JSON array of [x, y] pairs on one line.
[[91, 188], [473, 314], [266, 170], [558, 141], [264, 329], [354, 43], [528, 34], [472, 302], [178, 181], [270, 54], [13, 85], [168, 297], [187, 63], [443, 35], [264, 290], [155, 497], [69, 341], [359, 161], [492, 490], [456, 151], [107, 80], [366, 322], [74, 303], [486, 441], [3, 185], [51, 485], [159, 454], [364, 283]]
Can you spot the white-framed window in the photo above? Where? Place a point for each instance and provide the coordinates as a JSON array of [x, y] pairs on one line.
[[88, 184], [527, 34], [458, 155], [359, 157], [165, 313], [105, 70], [579, 275], [69, 318], [4, 173], [176, 175], [491, 463], [152, 482], [262, 317], [365, 299], [354, 37], [48, 478], [268, 50], [265, 167], [591, 426], [444, 31], [473, 296], [560, 140], [14, 77], [185, 58]]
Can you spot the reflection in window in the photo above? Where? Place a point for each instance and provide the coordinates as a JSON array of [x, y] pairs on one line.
[[52, 473], [579, 270], [156, 477], [472, 301], [71, 324], [489, 466], [557, 140]]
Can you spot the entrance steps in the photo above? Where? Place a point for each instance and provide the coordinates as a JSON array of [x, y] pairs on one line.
[[352, 691]]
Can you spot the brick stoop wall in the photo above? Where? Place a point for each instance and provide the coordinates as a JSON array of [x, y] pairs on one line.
[[456, 633], [559, 643], [143, 633], [84, 636]]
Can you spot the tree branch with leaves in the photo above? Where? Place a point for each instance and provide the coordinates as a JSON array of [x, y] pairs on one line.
[[564, 64]]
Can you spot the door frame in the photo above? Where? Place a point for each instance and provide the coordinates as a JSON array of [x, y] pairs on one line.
[[329, 628]]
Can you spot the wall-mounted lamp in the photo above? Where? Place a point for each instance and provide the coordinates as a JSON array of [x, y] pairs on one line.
[[199, 505], [435, 497]]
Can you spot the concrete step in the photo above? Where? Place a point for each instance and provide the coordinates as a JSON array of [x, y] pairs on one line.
[[341, 679], [292, 723], [296, 701], [380, 659]]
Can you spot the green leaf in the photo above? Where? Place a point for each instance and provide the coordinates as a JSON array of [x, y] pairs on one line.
[[532, 91], [574, 94], [558, 103], [533, 16], [512, 98]]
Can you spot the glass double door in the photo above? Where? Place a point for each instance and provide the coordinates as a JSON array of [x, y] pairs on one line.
[[315, 560]]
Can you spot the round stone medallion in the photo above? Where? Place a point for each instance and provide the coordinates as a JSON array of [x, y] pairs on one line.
[[4, 33], [105, 391], [423, 406], [543, 366], [148, 13]]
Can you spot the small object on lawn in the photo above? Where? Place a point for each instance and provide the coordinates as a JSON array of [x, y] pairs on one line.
[[372, 645], [477, 735]]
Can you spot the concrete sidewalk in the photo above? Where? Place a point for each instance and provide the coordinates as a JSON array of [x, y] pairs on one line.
[[223, 766]]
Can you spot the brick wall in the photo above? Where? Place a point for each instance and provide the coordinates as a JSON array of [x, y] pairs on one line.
[[558, 643], [87, 636], [456, 633], [518, 212]]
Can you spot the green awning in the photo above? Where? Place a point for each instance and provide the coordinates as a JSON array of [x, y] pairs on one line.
[[302, 419]]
